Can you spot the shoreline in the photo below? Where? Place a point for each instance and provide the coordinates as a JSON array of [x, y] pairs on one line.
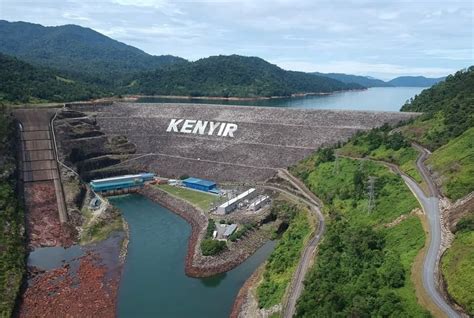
[[243, 297], [197, 265], [132, 98]]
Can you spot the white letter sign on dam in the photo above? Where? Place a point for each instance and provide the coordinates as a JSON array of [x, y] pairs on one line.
[[200, 127]]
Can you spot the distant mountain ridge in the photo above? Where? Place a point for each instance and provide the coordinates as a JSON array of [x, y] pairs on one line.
[[358, 79], [76, 49], [367, 81], [415, 81]]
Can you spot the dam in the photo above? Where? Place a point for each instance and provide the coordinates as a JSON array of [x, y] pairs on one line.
[[263, 138]]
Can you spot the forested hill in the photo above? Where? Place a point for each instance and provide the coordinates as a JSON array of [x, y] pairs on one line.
[[361, 80], [414, 81], [22, 82], [449, 108], [74, 48], [232, 75]]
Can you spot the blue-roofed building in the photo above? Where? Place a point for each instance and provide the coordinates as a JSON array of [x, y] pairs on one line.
[[200, 184], [127, 182]]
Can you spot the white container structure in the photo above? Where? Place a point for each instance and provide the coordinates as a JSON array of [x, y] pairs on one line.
[[232, 204]]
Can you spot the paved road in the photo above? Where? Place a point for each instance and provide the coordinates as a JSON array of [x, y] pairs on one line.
[[310, 249], [430, 205]]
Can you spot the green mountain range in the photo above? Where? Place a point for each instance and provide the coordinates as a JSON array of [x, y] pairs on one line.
[[232, 75], [76, 49], [71, 62]]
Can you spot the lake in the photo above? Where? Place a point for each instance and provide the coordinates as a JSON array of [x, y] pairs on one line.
[[154, 283], [375, 98]]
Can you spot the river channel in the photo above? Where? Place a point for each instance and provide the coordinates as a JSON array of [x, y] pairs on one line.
[[154, 283]]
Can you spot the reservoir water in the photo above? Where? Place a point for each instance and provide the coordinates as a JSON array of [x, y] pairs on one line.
[[154, 283], [375, 98]]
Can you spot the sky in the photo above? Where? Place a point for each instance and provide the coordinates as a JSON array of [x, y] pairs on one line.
[[379, 38]]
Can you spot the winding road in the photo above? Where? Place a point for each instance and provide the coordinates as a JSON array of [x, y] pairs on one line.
[[430, 204], [309, 251]]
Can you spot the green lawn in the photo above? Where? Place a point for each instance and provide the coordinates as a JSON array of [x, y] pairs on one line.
[[199, 199], [454, 163]]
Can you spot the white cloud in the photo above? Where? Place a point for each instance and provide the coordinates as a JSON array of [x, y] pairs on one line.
[[379, 38]]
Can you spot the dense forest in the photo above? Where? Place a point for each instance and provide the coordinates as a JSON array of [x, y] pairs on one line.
[[76, 49], [232, 76], [22, 82], [12, 248], [448, 107]]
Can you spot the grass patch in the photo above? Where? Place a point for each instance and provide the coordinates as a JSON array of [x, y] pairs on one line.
[[425, 129], [404, 157], [454, 164], [199, 199], [283, 261], [96, 230], [337, 188], [457, 265]]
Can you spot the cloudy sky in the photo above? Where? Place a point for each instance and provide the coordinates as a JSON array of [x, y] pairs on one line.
[[380, 38]]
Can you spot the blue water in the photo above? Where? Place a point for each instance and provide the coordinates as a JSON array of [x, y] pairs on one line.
[[154, 284], [375, 98]]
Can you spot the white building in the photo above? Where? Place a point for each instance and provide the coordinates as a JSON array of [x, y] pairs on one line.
[[259, 203], [232, 204]]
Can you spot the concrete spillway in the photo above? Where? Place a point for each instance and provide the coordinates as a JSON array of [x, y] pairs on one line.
[[38, 164]]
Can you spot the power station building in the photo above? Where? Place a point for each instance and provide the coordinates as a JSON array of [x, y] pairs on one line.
[[200, 184], [121, 183], [232, 204]]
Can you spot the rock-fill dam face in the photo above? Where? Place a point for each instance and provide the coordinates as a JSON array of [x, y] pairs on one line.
[[228, 143]]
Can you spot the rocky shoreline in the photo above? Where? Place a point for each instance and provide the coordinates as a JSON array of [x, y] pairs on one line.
[[243, 299], [196, 264]]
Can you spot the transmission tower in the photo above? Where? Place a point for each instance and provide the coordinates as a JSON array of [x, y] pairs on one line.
[[371, 193]]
